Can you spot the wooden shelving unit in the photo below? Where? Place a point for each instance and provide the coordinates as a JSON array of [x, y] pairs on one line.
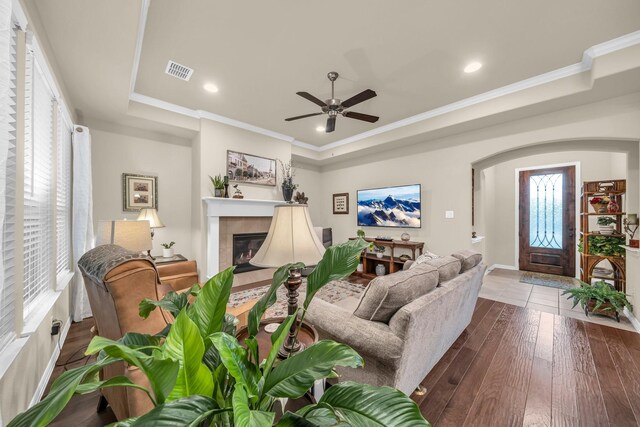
[[391, 262], [589, 263]]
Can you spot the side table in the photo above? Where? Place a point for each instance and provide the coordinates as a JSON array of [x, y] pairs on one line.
[[168, 260]]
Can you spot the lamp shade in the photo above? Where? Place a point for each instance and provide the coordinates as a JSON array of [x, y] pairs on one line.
[[291, 238], [131, 235], [151, 215]]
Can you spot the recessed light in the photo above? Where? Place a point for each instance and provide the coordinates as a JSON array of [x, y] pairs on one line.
[[472, 67], [210, 87], [320, 129]]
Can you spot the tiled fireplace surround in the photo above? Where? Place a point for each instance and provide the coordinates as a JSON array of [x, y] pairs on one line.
[[226, 217]]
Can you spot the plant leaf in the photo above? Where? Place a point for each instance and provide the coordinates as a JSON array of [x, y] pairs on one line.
[[161, 373], [338, 261], [188, 411], [243, 416], [361, 405], [289, 419], [184, 344], [268, 299], [173, 302], [235, 359], [63, 388], [211, 304], [117, 381], [295, 375], [277, 339]]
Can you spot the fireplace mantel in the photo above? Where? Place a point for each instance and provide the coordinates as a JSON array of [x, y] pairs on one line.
[[217, 207]]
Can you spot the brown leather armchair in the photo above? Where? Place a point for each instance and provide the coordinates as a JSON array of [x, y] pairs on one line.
[[116, 281], [179, 275]]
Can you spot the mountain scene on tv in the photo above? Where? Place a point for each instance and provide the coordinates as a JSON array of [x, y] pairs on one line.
[[390, 207]]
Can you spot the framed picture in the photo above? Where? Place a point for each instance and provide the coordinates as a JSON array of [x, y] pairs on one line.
[[138, 192], [250, 169], [340, 203]]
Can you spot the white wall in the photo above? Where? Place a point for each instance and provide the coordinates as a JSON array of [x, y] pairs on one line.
[[113, 154], [499, 216], [309, 180], [210, 158]]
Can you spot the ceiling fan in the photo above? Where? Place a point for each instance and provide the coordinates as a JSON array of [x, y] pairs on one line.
[[334, 106]]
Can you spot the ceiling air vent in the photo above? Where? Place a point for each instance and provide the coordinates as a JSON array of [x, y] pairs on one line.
[[179, 71]]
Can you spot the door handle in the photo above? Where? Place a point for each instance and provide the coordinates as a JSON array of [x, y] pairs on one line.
[[571, 232]]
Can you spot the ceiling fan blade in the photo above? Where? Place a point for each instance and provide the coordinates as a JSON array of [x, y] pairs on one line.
[[357, 99], [360, 116], [331, 124], [311, 98], [302, 117]]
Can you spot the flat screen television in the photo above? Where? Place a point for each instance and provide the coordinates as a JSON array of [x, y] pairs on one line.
[[390, 207]]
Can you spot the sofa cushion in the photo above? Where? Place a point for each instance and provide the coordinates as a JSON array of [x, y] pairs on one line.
[[386, 294], [468, 259], [448, 267], [427, 256]]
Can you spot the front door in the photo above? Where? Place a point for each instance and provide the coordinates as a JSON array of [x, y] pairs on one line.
[[547, 221]]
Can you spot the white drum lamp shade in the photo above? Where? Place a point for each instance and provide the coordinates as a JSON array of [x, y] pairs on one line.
[[134, 236], [151, 215], [291, 239]]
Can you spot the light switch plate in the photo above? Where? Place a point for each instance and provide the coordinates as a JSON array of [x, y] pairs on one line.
[[448, 214]]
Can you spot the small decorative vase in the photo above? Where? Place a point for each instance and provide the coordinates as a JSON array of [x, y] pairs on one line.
[[167, 253], [613, 207], [634, 243], [405, 237], [226, 191], [606, 229], [217, 192], [287, 193], [379, 254], [380, 270], [360, 268]]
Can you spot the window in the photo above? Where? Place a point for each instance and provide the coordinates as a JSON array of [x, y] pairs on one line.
[[7, 272], [38, 185]]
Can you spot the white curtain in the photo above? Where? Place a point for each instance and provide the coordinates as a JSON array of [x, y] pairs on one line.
[[82, 217]]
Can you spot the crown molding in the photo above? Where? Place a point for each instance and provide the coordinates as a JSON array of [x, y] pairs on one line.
[[142, 23], [584, 65]]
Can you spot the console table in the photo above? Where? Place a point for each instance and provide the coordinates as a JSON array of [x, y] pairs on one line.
[[391, 262]]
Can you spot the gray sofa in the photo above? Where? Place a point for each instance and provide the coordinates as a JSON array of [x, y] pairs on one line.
[[403, 324]]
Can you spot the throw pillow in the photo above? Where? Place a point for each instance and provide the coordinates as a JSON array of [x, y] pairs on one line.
[[468, 258], [387, 294], [448, 267], [427, 256]]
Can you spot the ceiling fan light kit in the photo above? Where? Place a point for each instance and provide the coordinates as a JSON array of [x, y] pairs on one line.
[[334, 107]]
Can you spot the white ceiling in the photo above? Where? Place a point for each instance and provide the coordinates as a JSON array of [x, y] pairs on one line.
[[259, 54]]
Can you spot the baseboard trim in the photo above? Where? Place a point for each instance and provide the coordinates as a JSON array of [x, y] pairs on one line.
[[634, 321], [502, 266], [42, 385]]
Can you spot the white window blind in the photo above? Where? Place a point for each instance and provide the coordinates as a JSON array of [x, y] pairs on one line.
[[63, 197], [8, 287], [38, 185]]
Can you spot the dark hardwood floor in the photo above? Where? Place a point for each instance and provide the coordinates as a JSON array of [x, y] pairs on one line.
[[511, 367]]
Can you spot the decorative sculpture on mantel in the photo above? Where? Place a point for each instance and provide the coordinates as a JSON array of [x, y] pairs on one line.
[[238, 194], [301, 198]]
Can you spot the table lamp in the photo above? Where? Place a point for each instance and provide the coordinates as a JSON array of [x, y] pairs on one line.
[[291, 239], [134, 236], [151, 215]]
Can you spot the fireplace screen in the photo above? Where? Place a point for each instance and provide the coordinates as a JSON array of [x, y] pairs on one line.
[[245, 247]]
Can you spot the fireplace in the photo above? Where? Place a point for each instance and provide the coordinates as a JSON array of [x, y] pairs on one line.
[[245, 247]]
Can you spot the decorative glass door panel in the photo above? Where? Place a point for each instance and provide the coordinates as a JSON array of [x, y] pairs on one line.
[[545, 211]]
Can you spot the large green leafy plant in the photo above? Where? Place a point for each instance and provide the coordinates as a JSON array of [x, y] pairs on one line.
[[604, 245], [200, 375], [604, 296]]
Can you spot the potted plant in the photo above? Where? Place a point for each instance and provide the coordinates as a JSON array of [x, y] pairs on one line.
[[218, 185], [287, 171], [379, 250], [167, 249], [605, 224], [200, 375], [599, 298], [599, 204], [604, 245]]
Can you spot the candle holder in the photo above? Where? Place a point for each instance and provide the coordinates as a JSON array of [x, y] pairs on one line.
[[630, 227]]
